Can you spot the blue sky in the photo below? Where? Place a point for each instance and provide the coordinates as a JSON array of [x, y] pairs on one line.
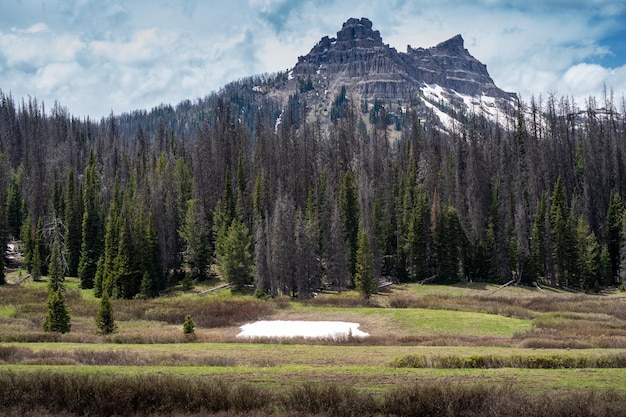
[[98, 56]]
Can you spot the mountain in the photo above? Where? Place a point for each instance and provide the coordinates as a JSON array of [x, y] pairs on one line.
[[433, 79]]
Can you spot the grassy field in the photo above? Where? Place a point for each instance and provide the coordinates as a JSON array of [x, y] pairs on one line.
[[527, 341]]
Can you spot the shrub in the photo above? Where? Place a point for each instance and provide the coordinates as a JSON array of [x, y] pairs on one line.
[[188, 326]]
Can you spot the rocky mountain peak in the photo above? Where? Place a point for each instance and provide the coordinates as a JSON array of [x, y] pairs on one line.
[[358, 33], [370, 70], [454, 44]]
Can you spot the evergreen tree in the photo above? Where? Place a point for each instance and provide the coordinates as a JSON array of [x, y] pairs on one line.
[[105, 320], [565, 250], [234, 258], [58, 317], [73, 216], [15, 205], [536, 265], [349, 206], [36, 263], [614, 232], [194, 234], [337, 262], [126, 278], [589, 256], [91, 245], [448, 241], [307, 270], [26, 237], [364, 278], [152, 280], [56, 268], [418, 238], [2, 275], [189, 326], [103, 280]]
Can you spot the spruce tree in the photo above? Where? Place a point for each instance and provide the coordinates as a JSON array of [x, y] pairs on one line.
[[189, 326], [364, 278], [105, 320], [194, 235], [58, 317], [234, 259], [2, 275], [614, 232], [73, 216], [349, 205], [56, 268], [565, 250], [91, 245]]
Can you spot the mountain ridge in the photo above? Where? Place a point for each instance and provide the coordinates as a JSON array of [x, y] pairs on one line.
[[369, 70]]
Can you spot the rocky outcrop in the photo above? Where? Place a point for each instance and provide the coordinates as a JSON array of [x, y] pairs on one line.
[[358, 59], [450, 65]]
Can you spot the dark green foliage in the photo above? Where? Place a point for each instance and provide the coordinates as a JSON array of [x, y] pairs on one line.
[[194, 234], [189, 326], [448, 243], [614, 232], [349, 208], [2, 274], [105, 320], [565, 251], [14, 206], [56, 268], [57, 317], [364, 278], [92, 226], [227, 153], [234, 258], [73, 231]]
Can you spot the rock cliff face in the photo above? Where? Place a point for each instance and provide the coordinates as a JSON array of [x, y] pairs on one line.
[[358, 60]]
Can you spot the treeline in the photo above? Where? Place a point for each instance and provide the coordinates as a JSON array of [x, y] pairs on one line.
[[142, 202]]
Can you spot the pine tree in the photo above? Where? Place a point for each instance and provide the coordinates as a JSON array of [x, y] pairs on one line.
[[448, 241], [589, 256], [418, 238], [91, 226], [565, 250], [536, 265], [126, 278], [337, 262], [58, 317], [56, 268], [105, 320], [2, 275], [234, 258], [73, 214], [36, 262], [349, 206], [189, 326], [194, 235], [614, 232], [364, 278], [15, 205]]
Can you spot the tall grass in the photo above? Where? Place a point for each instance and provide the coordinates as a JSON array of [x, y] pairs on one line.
[[65, 394], [539, 361]]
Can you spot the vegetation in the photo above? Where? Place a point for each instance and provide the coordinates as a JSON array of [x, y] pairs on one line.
[[138, 213], [535, 198], [105, 322]]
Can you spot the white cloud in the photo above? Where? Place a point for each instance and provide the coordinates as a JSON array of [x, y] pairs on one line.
[[95, 56]]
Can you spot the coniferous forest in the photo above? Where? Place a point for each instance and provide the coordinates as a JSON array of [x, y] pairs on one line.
[[231, 185]]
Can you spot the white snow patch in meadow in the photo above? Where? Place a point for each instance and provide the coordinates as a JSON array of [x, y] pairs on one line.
[[306, 329]]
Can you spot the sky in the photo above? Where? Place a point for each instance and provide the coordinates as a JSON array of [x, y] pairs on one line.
[[97, 57]]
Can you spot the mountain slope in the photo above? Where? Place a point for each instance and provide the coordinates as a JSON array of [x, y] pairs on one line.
[[357, 60]]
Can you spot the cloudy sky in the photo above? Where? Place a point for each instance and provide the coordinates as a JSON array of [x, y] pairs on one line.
[[98, 56]]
